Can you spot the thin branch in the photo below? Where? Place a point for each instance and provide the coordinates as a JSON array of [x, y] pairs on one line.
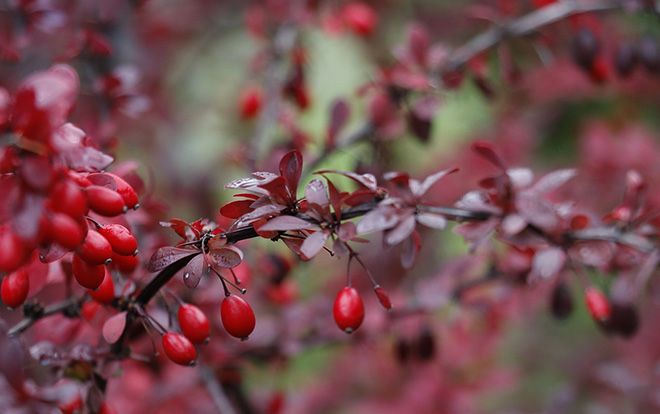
[[523, 26], [215, 390], [69, 305]]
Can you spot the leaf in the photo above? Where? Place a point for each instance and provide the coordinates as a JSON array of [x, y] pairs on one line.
[[339, 114], [114, 327], [313, 244], [411, 247], [277, 189], [380, 218], [257, 213], [317, 193], [367, 180], [402, 231], [553, 180], [513, 224], [167, 255], [291, 168], [430, 180], [548, 262], [227, 256], [257, 179], [487, 151], [346, 231], [536, 210], [236, 209], [431, 220], [285, 223], [339, 248], [193, 272]]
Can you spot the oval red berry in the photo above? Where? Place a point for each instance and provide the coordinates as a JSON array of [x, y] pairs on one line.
[[348, 310], [179, 349], [105, 201], [194, 323], [237, 316], [15, 287]]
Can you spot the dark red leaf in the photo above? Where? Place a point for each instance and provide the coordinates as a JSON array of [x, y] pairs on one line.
[[487, 151], [316, 193], [339, 114], [237, 208], [291, 168], [313, 244], [285, 223], [167, 255], [226, 257], [277, 189]]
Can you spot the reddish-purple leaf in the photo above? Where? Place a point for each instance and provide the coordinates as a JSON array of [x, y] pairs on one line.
[[257, 213], [52, 252], [380, 218], [167, 255], [237, 208], [277, 189], [336, 198], [429, 181], [193, 272], [432, 220], [513, 224], [317, 193], [339, 114], [402, 231], [486, 150], [383, 297], [285, 223], [257, 179], [294, 245], [548, 262], [367, 180], [313, 244], [519, 177], [553, 180], [114, 327], [291, 168], [346, 231], [411, 247], [536, 210], [227, 256]]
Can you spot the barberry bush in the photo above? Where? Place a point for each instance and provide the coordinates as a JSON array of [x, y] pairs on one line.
[[446, 207]]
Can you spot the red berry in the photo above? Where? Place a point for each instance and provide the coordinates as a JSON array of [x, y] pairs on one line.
[[383, 297], [597, 304], [250, 102], [67, 197], [95, 249], [360, 18], [15, 287], [125, 264], [179, 349], [120, 238], [105, 201], [126, 191], [88, 275], [65, 231], [107, 409], [348, 309], [72, 406], [194, 324], [12, 250], [105, 293], [89, 309], [237, 316]]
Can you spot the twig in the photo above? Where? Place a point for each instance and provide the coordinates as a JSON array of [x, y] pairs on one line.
[[214, 388], [524, 25], [69, 305]]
